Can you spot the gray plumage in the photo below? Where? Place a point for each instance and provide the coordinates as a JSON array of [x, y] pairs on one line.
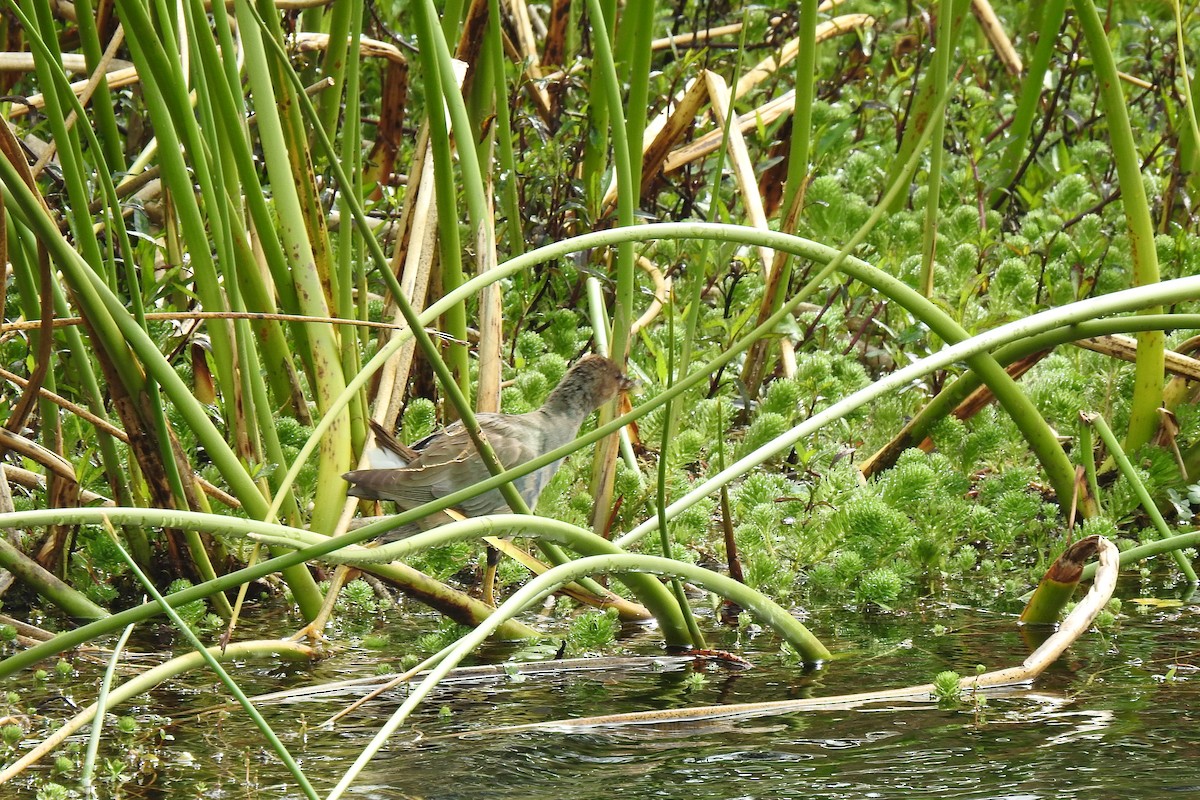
[[446, 462]]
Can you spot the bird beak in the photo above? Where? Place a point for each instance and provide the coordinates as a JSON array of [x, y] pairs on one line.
[[628, 384]]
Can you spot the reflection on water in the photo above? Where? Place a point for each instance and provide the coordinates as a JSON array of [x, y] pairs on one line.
[[1108, 720]]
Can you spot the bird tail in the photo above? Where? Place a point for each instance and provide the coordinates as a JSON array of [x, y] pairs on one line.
[[386, 451], [369, 484]]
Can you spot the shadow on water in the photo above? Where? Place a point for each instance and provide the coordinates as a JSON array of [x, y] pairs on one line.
[[1109, 719]]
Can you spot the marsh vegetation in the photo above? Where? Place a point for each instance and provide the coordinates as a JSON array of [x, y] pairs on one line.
[[909, 291]]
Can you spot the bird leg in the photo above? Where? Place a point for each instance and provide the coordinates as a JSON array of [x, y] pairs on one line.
[[487, 585], [314, 630]]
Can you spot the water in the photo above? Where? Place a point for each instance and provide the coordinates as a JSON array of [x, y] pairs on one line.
[[1105, 721]]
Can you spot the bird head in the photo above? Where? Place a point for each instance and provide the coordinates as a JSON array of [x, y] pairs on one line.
[[589, 384]]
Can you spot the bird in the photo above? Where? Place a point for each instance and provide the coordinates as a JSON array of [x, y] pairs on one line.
[[446, 461]]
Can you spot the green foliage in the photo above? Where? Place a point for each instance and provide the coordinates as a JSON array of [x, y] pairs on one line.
[[922, 524], [766, 427], [96, 566], [919, 479], [835, 209], [694, 523], [53, 791], [291, 433], [873, 527], [11, 734], [512, 401], [418, 421], [358, 599], [1156, 469], [825, 378], [533, 387], [634, 492], [824, 579], [191, 613], [882, 587], [688, 447], [1013, 284], [1107, 619], [715, 418], [552, 366], [1070, 196], [447, 633], [1061, 389], [530, 346], [963, 561], [946, 689], [444, 562], [783, 397], [767, 574], [565, 333], [847, 568], [761, 487], [593, 631], [510, 572]]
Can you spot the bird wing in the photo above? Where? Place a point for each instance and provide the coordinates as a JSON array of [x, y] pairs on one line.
[[447, 462], [515, 440]]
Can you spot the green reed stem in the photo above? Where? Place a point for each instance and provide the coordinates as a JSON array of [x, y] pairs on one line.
[[943, 48], [440, 89], [93, 745], [1139, 488], [1032, 85], [1148, 370]]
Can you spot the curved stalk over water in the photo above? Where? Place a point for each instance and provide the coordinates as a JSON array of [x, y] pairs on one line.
[[656, 597], [1073, 626], [771, 613], [952, 394], [170, 518]]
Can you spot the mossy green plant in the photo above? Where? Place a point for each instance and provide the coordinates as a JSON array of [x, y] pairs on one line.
[[593, 631], [946, 689]]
